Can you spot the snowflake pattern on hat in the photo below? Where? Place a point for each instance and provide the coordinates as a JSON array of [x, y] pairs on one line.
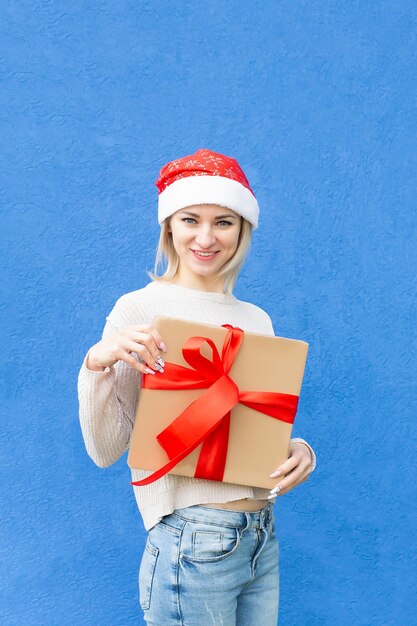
[[203, 163]]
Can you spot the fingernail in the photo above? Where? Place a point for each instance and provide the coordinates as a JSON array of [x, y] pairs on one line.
[[273, 496], [163, 346], [276, 473], [275, 490], [159, 368], [148, 371], [161, 361]]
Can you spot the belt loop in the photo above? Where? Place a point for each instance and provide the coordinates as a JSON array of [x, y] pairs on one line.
[[247, 520], [266, 515], [270, 512]]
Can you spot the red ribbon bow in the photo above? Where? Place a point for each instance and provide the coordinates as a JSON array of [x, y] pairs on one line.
[[208, 417]]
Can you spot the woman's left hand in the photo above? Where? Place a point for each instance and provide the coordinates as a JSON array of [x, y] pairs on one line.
[[296, 470]]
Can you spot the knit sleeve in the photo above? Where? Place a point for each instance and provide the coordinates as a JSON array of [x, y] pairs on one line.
[[107, 406]]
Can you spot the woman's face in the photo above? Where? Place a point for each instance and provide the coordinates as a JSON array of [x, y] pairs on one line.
[[205, 237]]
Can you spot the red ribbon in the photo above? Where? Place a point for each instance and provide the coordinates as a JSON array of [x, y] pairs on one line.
[[207, 419]]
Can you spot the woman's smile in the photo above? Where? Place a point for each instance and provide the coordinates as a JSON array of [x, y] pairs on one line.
[[205, 238], [204, 256]]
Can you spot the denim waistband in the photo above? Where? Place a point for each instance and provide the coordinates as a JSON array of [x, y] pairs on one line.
[[227, 517]]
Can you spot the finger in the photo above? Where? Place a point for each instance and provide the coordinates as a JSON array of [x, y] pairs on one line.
[[158, 339], [291, 479], [137, 365], [159, 342], [150, 338], [304, 476], [142, 346], [285, 485], [296, 456], [285, 467]]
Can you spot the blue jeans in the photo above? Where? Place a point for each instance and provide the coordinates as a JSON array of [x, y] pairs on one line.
[[203, 566]]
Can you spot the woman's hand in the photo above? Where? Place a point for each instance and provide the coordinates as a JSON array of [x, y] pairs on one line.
[[145, 340], [296, 470]]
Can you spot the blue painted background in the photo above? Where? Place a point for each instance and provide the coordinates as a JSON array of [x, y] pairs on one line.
[[317, 102]]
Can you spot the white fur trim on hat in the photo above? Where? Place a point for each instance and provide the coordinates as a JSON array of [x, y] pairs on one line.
[[208, 190]]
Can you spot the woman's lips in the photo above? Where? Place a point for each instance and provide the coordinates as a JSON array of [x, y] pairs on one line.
[[205, 257]]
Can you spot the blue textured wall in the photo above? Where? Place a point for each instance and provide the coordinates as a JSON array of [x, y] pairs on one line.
[[317, 102]]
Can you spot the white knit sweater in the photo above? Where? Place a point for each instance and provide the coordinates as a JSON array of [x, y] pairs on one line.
[[108, 399]]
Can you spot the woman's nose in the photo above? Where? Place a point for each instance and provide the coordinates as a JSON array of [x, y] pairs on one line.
[[205, 238]]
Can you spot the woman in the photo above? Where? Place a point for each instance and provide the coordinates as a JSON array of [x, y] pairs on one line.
[[211, 555]]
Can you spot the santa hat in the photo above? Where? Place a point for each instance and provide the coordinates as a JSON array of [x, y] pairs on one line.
[[205, 177]]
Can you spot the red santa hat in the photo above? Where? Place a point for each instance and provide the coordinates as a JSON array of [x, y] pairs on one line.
[[205, 177]]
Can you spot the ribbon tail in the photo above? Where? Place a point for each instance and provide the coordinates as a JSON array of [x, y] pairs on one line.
[[282, 406], [212, 458], [173, 462], [194, 424], [163, 470]]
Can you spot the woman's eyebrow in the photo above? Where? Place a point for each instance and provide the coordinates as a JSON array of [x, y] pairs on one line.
[[218, 217]]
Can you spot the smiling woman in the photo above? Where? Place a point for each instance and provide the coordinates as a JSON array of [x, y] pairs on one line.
[[203, 234], [211, 556]]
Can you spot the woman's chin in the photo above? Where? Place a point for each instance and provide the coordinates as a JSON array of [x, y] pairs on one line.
[[204, 270]]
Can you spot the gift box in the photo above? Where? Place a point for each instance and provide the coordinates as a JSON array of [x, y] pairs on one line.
[[224, 407]]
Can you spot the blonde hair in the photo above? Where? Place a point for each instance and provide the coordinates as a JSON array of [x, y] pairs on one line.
[[166, 252]]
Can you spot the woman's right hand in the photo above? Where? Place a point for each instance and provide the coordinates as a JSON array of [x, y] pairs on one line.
[[145, 340]]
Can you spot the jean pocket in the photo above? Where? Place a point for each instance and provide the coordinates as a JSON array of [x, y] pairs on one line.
[[202, 543], [146, 573]]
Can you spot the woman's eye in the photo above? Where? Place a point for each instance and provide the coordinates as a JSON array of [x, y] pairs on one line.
[[186, 219]]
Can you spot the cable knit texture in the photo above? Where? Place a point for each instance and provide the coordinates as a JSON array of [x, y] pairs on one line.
[[108, 399]]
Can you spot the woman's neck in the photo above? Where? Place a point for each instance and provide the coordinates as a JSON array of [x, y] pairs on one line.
[[192, 282]]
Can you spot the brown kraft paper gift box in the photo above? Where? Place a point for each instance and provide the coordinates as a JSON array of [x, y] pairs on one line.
[[257, 442]]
